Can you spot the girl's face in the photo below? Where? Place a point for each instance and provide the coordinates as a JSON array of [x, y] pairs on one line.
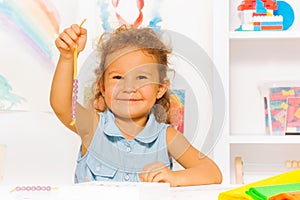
[[131, 85]]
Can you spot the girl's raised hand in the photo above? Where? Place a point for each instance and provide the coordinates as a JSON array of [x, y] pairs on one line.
[[69, 38], [158, 172]]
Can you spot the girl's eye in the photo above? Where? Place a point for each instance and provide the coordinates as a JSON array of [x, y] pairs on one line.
[[141, 77], [117, 77]]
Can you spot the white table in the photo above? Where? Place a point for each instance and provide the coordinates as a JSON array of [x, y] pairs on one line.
[[117, 191]]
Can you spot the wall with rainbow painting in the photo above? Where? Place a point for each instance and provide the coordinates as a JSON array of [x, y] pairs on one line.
[[28, 30]]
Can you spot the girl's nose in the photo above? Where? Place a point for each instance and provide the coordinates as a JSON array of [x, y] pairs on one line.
[[129, 85]]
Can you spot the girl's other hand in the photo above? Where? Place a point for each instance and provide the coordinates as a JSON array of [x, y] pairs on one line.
[[69, 38], [158, 172]]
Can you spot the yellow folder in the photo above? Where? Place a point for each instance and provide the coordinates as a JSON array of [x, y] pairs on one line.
[[240, 192]]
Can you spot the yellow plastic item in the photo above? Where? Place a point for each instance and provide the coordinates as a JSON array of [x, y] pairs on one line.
[[240, 192]]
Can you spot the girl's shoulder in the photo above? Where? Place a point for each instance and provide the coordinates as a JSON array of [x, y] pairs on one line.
[[176, 142], [171, 132], [174, 135]]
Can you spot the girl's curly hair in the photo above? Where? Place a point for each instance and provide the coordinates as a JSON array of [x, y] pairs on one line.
[[129, 38]]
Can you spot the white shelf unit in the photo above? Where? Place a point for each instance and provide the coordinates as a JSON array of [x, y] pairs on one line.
[[264, 35], [264, 139], [244, 60]]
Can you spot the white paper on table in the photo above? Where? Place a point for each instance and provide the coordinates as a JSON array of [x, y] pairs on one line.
[[203, 192], [146, 191]]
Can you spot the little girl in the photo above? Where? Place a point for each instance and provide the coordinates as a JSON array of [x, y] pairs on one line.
[[128, 137]]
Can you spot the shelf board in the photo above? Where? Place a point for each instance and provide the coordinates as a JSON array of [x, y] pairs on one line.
[[264, 139], [264, 34]]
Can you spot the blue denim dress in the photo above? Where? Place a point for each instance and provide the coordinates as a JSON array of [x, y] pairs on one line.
[[110, 157]]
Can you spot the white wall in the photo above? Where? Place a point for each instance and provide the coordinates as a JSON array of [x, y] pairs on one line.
[[40, 150], [38, 145]]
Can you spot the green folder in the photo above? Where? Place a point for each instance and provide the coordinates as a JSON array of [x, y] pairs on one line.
[[265, 192]]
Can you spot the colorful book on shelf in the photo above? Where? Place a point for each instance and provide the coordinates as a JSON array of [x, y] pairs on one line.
[[290, 177], [265, 192]]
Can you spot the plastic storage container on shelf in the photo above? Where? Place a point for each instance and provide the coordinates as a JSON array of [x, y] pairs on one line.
[[282, 107]]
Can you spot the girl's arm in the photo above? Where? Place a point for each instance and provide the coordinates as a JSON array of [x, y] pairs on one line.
[[62, 84], [199, 169]]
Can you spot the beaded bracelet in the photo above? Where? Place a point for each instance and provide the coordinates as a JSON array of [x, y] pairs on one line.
[[33, 188]]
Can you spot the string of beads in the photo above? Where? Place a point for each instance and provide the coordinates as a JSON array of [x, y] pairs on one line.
[[74, 100], [33, 188]]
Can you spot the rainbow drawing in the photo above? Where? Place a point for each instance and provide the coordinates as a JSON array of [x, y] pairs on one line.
[[35, 22], [177, 100]]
